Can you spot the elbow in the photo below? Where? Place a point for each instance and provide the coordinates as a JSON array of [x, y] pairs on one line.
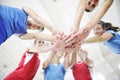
[[22, 37], [25, 8]]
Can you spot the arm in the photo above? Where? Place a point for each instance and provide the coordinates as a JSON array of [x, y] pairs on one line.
[[55, 47], [66, 60], [79, 14], [106, 36], [44, 48], [37, 36], [48, 60], [73, 59], [40, 20], [84, 57], [95, 18]]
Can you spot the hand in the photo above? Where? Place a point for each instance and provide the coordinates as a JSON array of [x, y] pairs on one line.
[[74, 30], [80, 35], [59, 44], [55, 31]]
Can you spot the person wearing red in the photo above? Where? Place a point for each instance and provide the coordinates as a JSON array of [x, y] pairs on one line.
[[81, 71], [30, 62], [28, 65], [81, 65], [25, 71]]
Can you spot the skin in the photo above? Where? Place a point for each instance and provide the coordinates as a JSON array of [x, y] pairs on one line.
[[40, 47], [83, 4], [56, 46], [38, 23], [100, 35], [84, 31], [34, 25], [54, 57], [81, 55], [91, 3], [38, 35], [39, 19]]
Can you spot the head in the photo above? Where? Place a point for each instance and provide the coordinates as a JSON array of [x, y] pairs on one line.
[[91, 4], [99, 29], [38, 42], [35, 26], [102, 26]]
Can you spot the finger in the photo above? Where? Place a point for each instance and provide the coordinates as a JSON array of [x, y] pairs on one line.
[[60, 35], [73, 36], [69, 39], [66, 37]]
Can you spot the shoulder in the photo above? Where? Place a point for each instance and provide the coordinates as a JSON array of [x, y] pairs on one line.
[[111, 31]]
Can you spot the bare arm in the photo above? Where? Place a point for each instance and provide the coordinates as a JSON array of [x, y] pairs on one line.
[[84, 57], [106, 36], [37, 35], [48, 60], [79, 14], [44, 48], [39, 19], [95, 18], [55, 47], [66, 61], [73, 59]]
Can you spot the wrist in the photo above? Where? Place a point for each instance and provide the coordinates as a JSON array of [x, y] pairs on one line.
[[84, 42], [20, 36]]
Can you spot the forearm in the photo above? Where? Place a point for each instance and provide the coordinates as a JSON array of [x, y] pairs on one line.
[[104, 37], [27, 36], [79, 13], [45, 37], [66, 60], [73, 59], [95, 18], [46, 48], [39, 19], [92, 40], [45, 23], [49, 60]]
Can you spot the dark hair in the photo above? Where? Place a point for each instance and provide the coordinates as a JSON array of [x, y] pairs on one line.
[[30, 23], [108, 26], [35, 41], [87, 10], [42, 29]]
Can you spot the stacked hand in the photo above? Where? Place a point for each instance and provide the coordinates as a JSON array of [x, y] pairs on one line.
[[74, 39], [70, 42]]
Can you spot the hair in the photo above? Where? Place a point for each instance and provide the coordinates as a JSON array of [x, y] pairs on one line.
[[108, 26], [94, 6], [87, 10], [42, 29], [35, 41], [30, 22]]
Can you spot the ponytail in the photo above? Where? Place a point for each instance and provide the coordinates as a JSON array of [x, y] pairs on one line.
[[108, 26]]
